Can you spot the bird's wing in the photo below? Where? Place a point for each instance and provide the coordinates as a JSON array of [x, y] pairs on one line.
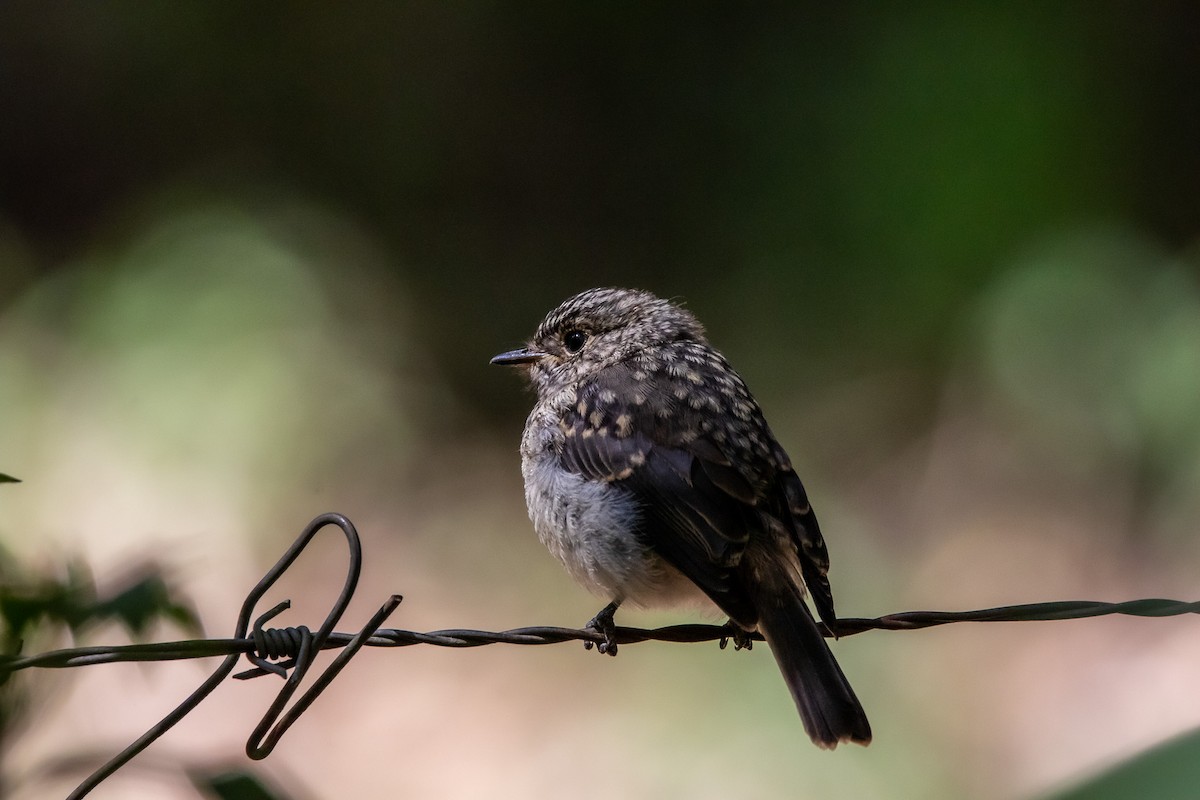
[[704, 486], [694, 527], [805, 532]]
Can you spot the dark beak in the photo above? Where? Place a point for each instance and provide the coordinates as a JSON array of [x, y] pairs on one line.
[[516, 358]]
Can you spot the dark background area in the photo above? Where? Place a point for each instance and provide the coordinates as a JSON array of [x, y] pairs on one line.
[[855, 174]]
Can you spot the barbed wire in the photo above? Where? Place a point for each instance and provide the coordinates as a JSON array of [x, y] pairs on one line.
[[545, 634], [290, 652]]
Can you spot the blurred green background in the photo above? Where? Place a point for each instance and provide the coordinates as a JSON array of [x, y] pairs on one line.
[[254, 259]]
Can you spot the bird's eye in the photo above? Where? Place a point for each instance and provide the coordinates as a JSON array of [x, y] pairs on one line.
[[574, 341]]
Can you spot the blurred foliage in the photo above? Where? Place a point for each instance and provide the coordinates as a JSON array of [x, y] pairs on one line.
[[235, 785], [31, 607], [1170, 771], [37, 609]]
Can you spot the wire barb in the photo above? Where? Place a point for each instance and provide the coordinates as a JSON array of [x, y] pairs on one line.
[[274, 644], [289, 652]]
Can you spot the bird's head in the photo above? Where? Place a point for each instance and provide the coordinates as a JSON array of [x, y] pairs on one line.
[[596, 329]]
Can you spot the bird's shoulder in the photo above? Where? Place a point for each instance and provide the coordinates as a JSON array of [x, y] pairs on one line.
[[683, 398]]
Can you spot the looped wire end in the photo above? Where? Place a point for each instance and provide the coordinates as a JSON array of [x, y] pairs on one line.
[[299, 645]]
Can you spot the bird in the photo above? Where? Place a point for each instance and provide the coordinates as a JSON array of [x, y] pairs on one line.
[[650, 472]]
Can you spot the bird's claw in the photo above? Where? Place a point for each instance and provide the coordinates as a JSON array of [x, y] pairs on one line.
[[603, 624], [741, 638]]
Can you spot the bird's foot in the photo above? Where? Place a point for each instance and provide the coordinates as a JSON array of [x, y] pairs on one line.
[[741, 637], [603, 624]]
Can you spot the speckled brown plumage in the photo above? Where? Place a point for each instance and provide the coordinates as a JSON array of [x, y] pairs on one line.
[[651, 473]]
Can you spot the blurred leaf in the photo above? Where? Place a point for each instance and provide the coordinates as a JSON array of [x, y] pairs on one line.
[[29, 602], [138, 605], [235, 786], [38, 607], [8, 478], [1166, 772]]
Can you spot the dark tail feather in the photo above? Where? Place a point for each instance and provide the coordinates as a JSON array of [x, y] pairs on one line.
[[827, 705]]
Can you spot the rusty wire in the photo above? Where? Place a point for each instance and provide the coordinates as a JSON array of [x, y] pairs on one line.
[[290, 652]]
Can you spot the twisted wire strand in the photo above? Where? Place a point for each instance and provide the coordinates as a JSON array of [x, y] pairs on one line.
[[546, 634]]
